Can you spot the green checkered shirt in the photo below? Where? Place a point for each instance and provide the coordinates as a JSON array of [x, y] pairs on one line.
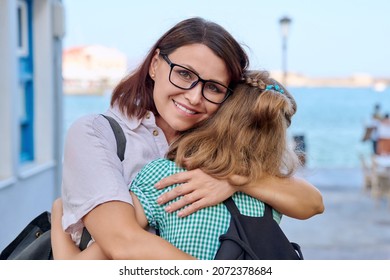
[[198, 233]]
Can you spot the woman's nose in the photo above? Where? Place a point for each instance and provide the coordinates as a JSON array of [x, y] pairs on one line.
[[194, 95]]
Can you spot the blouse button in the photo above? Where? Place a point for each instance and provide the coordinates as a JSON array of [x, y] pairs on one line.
[[155, 132], [148, 115]]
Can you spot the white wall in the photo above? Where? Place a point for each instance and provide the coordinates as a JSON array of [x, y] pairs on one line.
[[27, 189], [8, 85]]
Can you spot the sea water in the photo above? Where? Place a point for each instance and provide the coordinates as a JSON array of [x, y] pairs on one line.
[[331, 121]]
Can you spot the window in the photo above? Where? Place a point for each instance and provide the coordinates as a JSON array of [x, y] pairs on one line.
[[26, 82], [22, 28]]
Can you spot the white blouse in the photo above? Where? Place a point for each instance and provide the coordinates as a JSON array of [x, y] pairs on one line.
[[93, 173]]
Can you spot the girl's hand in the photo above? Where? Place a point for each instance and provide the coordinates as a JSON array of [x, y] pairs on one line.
[[198, 190], [62, 244], [56, 210]]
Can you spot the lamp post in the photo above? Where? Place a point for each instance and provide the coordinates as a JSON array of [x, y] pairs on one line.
[[285, 25]]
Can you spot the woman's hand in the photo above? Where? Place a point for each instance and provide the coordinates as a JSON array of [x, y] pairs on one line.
[[198, 190]]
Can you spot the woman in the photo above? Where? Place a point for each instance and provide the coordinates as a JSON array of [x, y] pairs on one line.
[[153, 110]]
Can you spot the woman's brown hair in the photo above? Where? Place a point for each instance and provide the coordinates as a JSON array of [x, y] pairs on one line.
[[247, 136], [134, 94]]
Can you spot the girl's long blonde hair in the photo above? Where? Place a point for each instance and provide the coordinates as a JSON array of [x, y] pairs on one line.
[[247, 136]]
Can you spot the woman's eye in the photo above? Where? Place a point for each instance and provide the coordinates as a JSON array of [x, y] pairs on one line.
[[213, 88], [185, 74]]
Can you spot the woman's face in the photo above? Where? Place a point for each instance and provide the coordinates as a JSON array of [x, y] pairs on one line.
[[180, 109]]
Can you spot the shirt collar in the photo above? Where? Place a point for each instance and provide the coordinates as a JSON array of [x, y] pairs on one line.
[[133, 123]]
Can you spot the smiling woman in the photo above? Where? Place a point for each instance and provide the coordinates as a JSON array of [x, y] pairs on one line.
[[181, 108]]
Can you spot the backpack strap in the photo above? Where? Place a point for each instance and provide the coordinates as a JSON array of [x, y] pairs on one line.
[[231, 206], [233, 209], [268, 211], [85, 238], [120, 150], [119, 136]]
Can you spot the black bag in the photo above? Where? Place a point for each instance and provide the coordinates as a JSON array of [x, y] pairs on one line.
[[255, 238], [34, 242]]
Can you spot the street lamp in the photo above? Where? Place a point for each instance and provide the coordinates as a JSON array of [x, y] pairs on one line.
[[285, 25]]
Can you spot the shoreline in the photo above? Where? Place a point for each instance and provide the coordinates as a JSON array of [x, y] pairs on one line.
[[296, 80]]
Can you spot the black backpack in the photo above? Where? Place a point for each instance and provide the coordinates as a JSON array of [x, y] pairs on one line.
[[255, 238]]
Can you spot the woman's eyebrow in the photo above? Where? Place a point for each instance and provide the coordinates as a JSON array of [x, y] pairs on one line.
[[189, 67], [196, 72]]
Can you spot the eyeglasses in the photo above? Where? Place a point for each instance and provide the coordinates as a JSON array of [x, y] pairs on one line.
[[185, 78]]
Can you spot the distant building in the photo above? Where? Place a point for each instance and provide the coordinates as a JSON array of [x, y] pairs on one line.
[[31, 35], [353, 81], [92, 69]]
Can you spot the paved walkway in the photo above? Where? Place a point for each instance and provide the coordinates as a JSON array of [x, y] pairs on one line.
[[354, 226]]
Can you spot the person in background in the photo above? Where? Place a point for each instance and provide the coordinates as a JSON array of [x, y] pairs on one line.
[[371, 132], [384, 136], [153, 109]]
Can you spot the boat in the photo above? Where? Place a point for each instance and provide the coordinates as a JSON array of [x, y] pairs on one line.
[[380, 86]]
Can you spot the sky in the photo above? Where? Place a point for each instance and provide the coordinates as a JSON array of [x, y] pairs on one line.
[[327, 38]]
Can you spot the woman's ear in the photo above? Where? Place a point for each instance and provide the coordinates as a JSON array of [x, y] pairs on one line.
[[154, 63]]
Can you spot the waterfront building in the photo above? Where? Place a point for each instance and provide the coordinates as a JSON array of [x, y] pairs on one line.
[[92, 69], [31, 33]]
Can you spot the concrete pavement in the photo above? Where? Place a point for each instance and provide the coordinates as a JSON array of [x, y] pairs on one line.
[[354, 225]]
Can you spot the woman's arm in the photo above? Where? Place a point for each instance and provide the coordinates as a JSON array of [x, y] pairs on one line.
[[293, 196], [115, 228], [90, 156], [139, 244]]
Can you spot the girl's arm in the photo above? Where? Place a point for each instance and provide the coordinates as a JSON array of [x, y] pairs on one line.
[[293, 196]]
